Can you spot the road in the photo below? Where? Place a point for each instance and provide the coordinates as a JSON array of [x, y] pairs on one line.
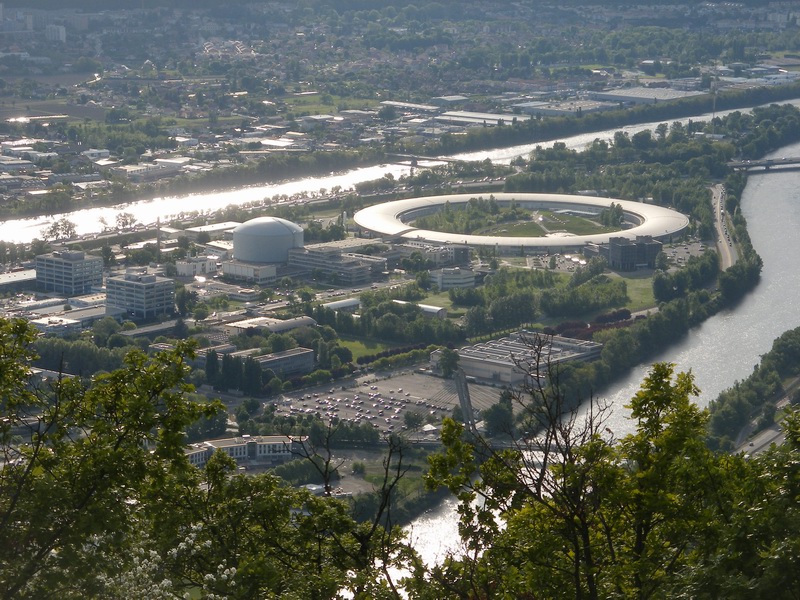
[[725, 248]]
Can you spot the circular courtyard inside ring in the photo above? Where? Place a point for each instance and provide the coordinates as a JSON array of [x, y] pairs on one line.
[[391, 219]]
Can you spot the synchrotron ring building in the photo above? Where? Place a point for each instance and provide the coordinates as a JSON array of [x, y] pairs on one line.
[[393, 220]]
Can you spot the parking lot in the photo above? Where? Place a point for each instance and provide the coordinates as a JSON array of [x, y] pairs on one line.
[[383, 402], [679, 253]]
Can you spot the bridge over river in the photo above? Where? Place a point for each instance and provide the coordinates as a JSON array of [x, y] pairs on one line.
[[765, 164]]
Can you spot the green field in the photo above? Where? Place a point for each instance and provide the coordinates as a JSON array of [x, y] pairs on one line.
[[573, 224], [363, 347], [521, 229], [305, 103], [548, 222], [640, 289], [442, 299]]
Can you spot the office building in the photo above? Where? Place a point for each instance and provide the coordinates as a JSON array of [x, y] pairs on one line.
[[71, 273], [629, 255], [141, 294], [272, 449], [455, 277]]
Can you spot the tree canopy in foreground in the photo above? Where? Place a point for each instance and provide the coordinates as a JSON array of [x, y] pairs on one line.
[[97, 500]]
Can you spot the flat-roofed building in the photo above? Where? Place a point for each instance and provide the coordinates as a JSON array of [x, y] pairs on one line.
[[196, 265], [627, 255], [480, 118], [453, 277], [258, 273], [56, 326], [267, 449], [438, 254], [296, 361], [410, 106], [341, 268], [143, 171], [68, 272], [14, 281], [509, 360], [214, 230], [643, 95], [435, 312], [575, 107], [141, 294], [350, 305], [267, 324]]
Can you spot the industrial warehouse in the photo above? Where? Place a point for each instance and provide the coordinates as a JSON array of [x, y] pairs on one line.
[[511, 360]]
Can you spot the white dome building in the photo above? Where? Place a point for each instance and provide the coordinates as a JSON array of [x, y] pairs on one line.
[[266, 240]]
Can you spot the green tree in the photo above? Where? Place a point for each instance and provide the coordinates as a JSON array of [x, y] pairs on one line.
[[68, 502], [586, 518], [251, 377], [212, 367], [448, 362], [413, 420], [181, 330], [104, 329]]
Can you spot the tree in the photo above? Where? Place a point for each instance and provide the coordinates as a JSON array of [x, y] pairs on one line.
[[63, 229], [181, 330], [104, 329], [212, 367], [251, 377], [413, 419], [387, 113], [109, 260], [125, 220], [566, 512], [448, 362], [68, 502], [102, 501], [185, 300], [230, 375], [499, 420]]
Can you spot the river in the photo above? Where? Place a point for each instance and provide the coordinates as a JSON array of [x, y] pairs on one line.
[[90, 220], [721, 351]]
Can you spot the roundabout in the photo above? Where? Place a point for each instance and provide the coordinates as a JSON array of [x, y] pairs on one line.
[[392, 219]]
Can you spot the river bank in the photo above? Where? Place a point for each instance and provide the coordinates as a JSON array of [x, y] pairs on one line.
[[92, 220], [277, 170], [719, 352]]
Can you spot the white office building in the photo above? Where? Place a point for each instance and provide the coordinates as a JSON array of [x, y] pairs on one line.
[[456, 277], [141, 294], [71, 273]]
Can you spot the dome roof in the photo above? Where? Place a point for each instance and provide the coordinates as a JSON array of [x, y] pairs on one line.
[[268, 227], [266, 240]]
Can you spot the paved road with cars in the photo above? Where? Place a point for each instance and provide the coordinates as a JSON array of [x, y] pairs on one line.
[[725, 246]]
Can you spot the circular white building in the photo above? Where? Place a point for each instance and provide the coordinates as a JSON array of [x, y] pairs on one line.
[[394, 219], [266, 240]]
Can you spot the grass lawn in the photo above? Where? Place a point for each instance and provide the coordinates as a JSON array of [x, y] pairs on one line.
[[521, 229], [640, 289], [573, 224], [514, 261], [443, 299], [363, 347], [439, 299], [324, 103], [12, 107]]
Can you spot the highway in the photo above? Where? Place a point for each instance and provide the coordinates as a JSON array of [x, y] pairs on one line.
[[725, 248]]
